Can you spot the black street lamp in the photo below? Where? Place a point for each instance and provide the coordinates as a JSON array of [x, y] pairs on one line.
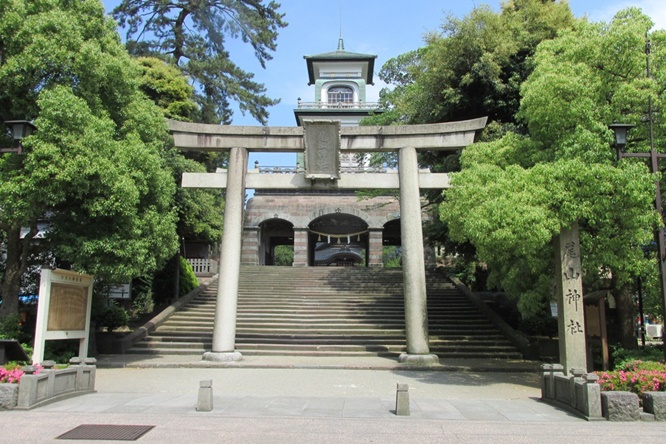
[[19, 129], [620, 130]]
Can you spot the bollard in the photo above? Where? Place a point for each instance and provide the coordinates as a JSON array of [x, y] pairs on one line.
[[402, 400], [205, 402]]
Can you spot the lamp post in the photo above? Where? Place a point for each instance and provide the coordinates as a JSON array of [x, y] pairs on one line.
[[620, 130], [19, 129]]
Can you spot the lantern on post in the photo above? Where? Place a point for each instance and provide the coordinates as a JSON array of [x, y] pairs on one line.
[[20, 129]]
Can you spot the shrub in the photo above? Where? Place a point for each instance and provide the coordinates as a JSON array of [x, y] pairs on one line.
[[544, 325], [61, 350], [112, 317], [636, 377], [622, 357], [142, 303], [188, 280], [10, 327], [11, 373]]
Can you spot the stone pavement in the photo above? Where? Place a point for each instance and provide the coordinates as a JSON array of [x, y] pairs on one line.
[[317, 400]]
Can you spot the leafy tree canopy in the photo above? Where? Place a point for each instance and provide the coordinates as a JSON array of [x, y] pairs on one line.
[[192, 36], [199, 210], [514, 194], [166, 85], [473, 67], [94, 171]]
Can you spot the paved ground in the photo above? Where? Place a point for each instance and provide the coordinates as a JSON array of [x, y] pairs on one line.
[[318, 400]]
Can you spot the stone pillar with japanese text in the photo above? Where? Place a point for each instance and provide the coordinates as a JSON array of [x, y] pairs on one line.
[[569, 295]]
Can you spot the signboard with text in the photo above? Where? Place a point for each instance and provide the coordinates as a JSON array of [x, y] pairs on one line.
[[63, 310]]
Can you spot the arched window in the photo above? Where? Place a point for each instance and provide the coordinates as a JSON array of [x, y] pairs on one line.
[[340, 94]]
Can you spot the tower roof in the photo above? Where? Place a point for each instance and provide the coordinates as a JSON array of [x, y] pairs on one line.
[[340, 55]]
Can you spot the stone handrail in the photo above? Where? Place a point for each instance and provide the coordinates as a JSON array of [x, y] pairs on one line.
[[53, 385], [126, 342], [582, 395]]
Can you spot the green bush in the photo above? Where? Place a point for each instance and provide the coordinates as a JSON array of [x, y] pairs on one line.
[[283, 255], [544, 325], [188, 280], [142, 303], [10, 327], [636, 377], [112, 317], [623, 357], [61, 351]]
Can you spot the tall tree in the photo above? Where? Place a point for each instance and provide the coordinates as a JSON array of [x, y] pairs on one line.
[[199, 210], [514, 194], [94, 172], [192, 35], [473, 66]]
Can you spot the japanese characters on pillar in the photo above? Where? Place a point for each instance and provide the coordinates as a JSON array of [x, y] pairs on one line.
[[570, 307]]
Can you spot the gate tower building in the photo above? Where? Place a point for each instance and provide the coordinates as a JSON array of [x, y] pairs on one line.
[[325, 227]]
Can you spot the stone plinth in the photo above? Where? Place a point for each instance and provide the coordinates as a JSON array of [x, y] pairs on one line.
[[8, 396], [655, 403], [620, 406], [402, 400], [205, 399]]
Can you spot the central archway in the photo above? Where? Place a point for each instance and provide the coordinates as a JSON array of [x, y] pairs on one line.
[[338, 239]]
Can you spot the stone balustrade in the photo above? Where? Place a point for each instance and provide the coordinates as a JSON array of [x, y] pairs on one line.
[[581, 394], [52, 384]]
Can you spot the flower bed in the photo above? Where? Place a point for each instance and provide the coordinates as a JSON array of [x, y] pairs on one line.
[[636, 377], [12, 376], [12, 373]]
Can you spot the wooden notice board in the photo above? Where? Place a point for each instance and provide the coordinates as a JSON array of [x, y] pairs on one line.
[[63, 310]]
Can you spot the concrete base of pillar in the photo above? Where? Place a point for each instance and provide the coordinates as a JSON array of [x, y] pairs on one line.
[[222, 356], [411, 359]]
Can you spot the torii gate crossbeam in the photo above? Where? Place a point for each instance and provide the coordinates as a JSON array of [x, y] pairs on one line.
[[406, 140]]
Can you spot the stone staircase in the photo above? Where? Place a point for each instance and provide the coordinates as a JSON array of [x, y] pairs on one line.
[[330, 311]]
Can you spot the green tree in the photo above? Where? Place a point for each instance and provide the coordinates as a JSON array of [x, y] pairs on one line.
[[514, 194], [199, 211], [94, 172], [283, 255], [168, 88], [191, 35], [473, 67]]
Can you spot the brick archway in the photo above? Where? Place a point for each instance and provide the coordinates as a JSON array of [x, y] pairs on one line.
[[338, 238], [274, 233]]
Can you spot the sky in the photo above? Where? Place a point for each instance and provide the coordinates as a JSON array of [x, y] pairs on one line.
[[386, 28]]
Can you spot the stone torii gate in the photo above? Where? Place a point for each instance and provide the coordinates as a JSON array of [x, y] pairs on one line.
[[322, 142]]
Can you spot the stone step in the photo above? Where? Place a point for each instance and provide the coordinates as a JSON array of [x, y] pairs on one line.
[[259, 338], [326, 311], [292, 352]]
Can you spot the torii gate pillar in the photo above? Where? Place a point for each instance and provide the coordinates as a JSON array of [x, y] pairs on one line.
[[406, 140], [413, 264], [224, 331]]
